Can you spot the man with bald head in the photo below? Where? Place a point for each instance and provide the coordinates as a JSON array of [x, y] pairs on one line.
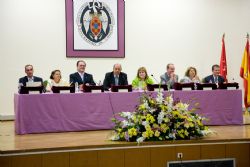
[[116, 77]]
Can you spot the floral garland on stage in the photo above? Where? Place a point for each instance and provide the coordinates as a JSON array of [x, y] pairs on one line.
[[158, 119]]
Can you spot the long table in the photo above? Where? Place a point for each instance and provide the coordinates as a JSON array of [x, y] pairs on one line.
[[40, 113]]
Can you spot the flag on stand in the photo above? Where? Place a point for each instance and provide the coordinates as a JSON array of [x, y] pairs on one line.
[[223, 60], [245, 75]]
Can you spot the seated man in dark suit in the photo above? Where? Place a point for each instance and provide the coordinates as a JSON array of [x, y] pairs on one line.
[[116, 77], [29, 76], [81, 77], [215, 77]]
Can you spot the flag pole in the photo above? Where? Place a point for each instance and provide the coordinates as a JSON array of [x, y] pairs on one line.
[[246, 108]]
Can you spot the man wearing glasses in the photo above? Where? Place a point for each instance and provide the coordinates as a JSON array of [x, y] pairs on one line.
[[29, 76]]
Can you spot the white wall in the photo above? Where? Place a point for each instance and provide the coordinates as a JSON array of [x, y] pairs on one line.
[[157, 32]]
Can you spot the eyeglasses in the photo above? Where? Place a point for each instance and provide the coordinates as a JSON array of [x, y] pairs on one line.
[[29, 69]]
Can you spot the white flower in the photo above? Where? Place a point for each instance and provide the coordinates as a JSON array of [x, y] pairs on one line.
[[126, 114], [206, 132], [140, 140], [144, 123], [169, 100], [151, 110], [160, 117], [115, 137], [159, 98], [125, 123], [182, 106]]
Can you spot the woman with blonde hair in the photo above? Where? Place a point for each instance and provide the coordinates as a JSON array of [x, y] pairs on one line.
[[141, 80], [190, 76]]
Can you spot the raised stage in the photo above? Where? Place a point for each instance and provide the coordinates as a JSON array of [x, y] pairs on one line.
[[94, 149]]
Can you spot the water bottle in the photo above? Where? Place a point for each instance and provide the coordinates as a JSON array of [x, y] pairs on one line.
[[76, 87], [19, 87], [195, 85], [140, 85]]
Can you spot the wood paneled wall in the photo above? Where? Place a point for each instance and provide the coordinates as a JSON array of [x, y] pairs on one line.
[[134, 157]]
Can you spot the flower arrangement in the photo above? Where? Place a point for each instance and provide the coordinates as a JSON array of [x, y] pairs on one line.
[[158, 119]]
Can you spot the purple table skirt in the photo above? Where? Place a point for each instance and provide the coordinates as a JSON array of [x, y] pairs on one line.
[[40, 113], [221, 107]]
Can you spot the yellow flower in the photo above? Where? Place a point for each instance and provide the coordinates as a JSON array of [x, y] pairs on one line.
[[180, 133], [122, 135], [119, 130], [157, 133], [155, 126], [132, 132], [186, 133], [151, 102], [166, 120], [147, 127], [163, 107], [150, 118], [164, 128], [191, 124], [142, 107], [148, 133]]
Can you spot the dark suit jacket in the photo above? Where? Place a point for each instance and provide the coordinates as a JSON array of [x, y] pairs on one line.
[[110, 80], [210, 79], [23, 80], [75, 77]]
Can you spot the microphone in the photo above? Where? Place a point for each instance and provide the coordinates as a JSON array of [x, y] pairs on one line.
[[155, 79], [99, 83]]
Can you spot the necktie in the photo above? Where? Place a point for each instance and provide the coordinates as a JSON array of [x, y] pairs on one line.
[[116, 80], [216, 79], [30, 80], [82, 76]]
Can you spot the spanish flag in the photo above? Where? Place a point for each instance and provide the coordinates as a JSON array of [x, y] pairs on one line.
[[244, 73]]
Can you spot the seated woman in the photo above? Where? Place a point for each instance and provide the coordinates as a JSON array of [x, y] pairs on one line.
[[55, 80], [190, 76], [141, 80]]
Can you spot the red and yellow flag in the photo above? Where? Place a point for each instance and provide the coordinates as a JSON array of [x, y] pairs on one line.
[[245, 75], [223, 60]]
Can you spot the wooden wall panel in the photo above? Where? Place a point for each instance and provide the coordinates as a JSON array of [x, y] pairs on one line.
[[189, 152], [5, 161], [240, 152], [111, 158], [213, 151], [27, 160], [137, 157], [160, 156], [55, 160], [83, 159]]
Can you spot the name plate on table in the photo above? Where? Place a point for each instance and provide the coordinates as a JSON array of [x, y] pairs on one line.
[[121, 88], [188, 88], [31, 90], [34, 92], [96, 91], [64, 91], [207, 88], [93, 89], [231, 88], [158, 89], [33, 84]]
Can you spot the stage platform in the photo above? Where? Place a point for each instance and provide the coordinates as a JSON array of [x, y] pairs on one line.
[[93, 148]]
